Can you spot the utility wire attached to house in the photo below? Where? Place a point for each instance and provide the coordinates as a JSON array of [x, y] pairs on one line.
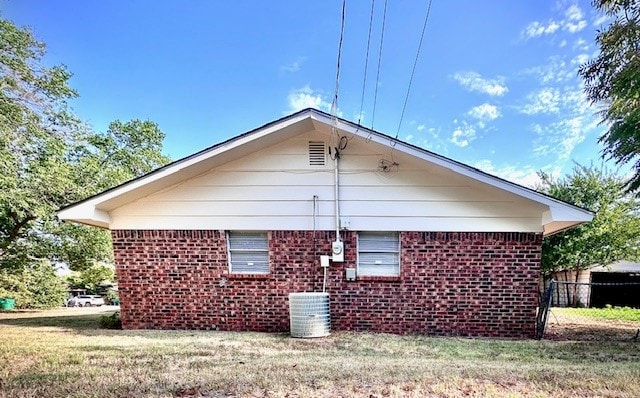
[[334, 130], [413, 71], [334, 102], [366, 62], [375, 94]]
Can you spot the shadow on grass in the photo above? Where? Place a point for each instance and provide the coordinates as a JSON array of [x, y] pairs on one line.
[[88, 324], [76, 321]]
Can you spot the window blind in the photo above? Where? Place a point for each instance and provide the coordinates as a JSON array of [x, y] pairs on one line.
[[378, 254], [248, 252]]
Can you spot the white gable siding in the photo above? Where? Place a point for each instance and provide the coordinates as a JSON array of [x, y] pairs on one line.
[[273, 189]]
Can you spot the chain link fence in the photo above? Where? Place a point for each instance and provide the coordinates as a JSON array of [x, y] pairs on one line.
[[589, 311]]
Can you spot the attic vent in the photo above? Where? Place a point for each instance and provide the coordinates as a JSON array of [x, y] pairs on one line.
[[316, 153]]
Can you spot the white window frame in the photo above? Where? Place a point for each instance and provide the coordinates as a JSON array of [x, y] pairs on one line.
[[365, 269], [260, 253]]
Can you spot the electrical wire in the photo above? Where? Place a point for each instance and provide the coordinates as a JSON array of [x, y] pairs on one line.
[[334, 111], [375, 95], [366, 61], [342, 144], [413, 71], [334, 102]]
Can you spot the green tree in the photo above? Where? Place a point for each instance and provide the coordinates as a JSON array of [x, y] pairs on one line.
[[91, 278], [127, 150], [102, 161], [612, 80], [49, 159], [34, 129], [612, 235], [33, 286]]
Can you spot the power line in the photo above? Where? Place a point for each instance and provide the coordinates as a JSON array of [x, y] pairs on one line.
[[375, 95], [366, 61], [413, 71], [334, 103]]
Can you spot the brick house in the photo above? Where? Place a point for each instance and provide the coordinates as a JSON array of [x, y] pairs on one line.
[[218, 240]]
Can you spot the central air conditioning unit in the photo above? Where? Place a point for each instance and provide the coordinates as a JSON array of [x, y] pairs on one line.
[[309, 314]]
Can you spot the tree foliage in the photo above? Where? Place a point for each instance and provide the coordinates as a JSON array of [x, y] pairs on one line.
[[49, 159], [612, 235], [612, 80], [91, 278], [33, 286]]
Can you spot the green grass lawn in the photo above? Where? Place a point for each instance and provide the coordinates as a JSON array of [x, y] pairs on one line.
[[64, 353], [613, 313]]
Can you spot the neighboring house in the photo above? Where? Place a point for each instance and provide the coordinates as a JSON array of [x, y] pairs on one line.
[[616, 284], [219, 239]]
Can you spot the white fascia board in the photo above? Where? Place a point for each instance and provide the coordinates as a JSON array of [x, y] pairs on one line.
[[560, 218], [567, 210], [566, 213], [86, 214]]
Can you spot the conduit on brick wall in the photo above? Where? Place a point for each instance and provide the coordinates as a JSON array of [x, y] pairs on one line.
[[463, 284]]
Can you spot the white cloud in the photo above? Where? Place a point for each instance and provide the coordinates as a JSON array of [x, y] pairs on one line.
[[562, 43], [573, 21], [580, 59], [575, 102], [523, 175], [559, 138], [601, 20], [537, 29], [294, 66], [306, 97], [463, 135], [408, 138], [431, 140], [556, 70], [475, 82], [574, 13], [485, 112], [546, 100], [581, 45], [420, 127], [573, 27]]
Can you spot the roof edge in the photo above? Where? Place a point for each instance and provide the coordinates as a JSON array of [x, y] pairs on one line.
[[382, 138], [453, 162]]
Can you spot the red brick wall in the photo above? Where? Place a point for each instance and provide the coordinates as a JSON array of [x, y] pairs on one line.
[[466, 284]]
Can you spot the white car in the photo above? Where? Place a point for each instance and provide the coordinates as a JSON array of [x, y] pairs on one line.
[[85, 301]]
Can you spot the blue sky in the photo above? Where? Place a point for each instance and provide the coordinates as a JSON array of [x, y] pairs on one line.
[[495, 86]]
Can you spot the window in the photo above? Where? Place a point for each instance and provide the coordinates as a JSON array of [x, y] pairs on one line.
[[248, 252], [378, 254]]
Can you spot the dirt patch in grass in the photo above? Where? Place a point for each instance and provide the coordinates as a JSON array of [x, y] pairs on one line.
[[64, 353]]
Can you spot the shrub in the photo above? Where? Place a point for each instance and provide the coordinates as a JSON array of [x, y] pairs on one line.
[[112, 321], [112, 297]]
